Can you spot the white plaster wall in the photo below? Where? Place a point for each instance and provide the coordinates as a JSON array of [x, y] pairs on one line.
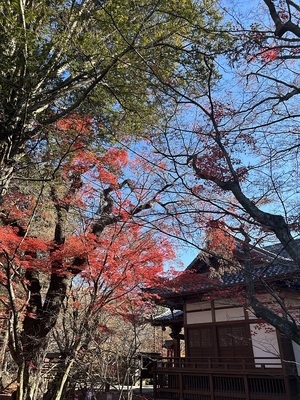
[[198, 317], [230, 314], [265, 344], [222, 315], [296, 349]]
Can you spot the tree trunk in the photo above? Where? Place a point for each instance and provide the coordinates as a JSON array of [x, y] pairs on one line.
[[4, 349], [28, 377], [62, 387], [11, 151]]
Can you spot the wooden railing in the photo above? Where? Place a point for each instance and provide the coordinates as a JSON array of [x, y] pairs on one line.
[[224, 379]]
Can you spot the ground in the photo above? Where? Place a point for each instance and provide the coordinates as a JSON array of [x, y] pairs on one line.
[[146, 395]]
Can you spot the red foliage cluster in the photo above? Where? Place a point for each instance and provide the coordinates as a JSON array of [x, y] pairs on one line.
[[270, 54], [93, 235], [219, 241]]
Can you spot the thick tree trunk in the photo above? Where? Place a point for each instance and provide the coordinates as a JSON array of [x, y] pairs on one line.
[[30, 363], [32, 342], [28, 382], [275, 223]]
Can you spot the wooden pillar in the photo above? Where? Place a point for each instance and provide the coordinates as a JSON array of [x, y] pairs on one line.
[[176, 347], [176, 336]]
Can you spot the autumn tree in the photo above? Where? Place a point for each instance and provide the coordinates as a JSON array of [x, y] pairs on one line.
[[81, 193], [108, 59], [235, 148]]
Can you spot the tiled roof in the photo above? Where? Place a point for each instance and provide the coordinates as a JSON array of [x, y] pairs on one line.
[[169, 315], [266, 273], [193, 283], [279, 250], [272, 265], [269, 254], [203, 275], [262, 272]]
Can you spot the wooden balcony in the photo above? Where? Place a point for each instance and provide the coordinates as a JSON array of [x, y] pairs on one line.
[[224, 379]]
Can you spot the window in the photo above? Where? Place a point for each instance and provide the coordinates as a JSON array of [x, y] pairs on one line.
[[225, 341], [200, 342], [233, 336], [234, 341]]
